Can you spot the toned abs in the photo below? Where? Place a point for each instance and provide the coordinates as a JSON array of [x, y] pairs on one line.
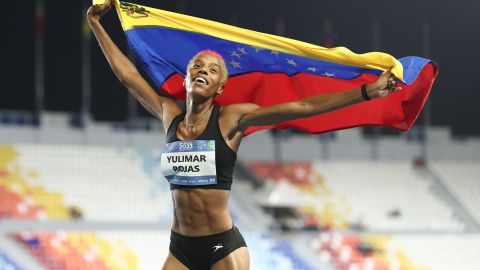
[[199, 212]]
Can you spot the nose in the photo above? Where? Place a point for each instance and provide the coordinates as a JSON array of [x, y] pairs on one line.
[[202, 70]]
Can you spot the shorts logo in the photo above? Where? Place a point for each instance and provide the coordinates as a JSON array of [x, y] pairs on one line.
[[217, 247]]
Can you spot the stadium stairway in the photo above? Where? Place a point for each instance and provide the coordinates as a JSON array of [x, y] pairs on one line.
[[460, 210], [462, 181], [19, 255]]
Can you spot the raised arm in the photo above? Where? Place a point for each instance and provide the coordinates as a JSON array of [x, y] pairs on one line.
[[161, 107], [248, 115]]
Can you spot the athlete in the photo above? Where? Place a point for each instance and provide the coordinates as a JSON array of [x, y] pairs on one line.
[[203, 236]]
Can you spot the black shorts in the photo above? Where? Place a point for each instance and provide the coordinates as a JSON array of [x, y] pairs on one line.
[[201, 252]]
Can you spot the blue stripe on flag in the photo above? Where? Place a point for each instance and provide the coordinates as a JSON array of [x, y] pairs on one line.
[[165, 51]]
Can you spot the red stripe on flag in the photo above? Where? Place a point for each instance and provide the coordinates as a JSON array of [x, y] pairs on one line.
[[398, 110]]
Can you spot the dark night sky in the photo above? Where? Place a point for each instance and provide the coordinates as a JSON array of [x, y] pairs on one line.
[[454, 26]]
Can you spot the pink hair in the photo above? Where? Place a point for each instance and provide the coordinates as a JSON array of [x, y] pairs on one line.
[[212, 52]]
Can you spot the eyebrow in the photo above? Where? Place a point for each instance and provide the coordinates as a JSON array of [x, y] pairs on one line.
[[198, 60]]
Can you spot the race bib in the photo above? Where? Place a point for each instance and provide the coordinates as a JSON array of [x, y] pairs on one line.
[[190, 163]]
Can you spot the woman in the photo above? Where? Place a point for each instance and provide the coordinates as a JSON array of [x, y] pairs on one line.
[[203, 236]]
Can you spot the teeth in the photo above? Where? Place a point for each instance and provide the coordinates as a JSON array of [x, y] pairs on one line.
[[201, 80]]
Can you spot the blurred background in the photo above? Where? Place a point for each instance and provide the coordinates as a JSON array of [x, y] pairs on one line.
[[80, 186]]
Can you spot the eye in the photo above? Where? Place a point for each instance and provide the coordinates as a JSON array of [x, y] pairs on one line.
[[195, 65], [214, 71]]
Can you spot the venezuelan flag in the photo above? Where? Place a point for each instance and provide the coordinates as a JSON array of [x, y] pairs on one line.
[[265, 69]]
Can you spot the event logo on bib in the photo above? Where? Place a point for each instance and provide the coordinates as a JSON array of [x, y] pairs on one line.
[[189, 163]]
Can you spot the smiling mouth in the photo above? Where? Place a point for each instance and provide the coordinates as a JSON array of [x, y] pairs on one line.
[[200, 80]]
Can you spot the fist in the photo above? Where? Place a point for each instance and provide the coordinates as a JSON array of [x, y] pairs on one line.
[[95, 12], [383, 86]]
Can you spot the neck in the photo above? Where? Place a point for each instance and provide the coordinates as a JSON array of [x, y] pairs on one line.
[[196, 111]]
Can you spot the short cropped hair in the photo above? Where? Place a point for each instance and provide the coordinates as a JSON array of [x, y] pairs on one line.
[[223, 66]]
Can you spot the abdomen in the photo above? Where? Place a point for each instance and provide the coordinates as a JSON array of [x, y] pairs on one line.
[[199, 212]]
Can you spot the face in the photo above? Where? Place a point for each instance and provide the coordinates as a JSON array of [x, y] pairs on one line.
[[204, 76]]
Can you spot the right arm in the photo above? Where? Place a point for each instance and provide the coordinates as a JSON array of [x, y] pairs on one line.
[[161, 107]]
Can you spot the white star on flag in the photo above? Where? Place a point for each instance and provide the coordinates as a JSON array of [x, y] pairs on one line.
[[292, 62], [257, 49], [312, 69], [329, 74], [234, 53], [235, 64], [242, 50], [275, 53]]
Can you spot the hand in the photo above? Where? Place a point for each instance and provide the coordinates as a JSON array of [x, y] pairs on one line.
[[95, 12], [384, 85]]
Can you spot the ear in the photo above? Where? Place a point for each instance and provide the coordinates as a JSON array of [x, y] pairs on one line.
[[220, 90]]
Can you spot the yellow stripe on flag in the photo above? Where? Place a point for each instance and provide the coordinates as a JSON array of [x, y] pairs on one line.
[[133, 15]]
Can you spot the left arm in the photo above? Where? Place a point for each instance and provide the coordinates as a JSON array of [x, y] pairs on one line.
[[254, 115]]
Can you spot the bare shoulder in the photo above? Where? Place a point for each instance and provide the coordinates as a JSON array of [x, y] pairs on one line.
[[229, 117], [170, 110], [236, 110]]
